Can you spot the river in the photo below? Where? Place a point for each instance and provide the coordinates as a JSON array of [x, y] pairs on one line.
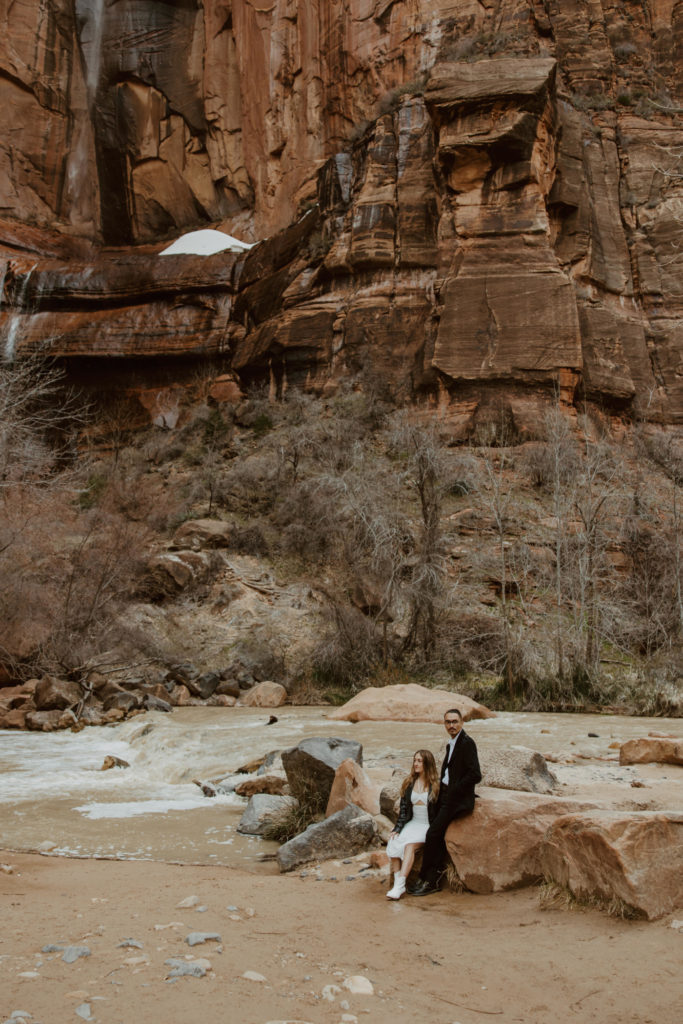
[[52, 789]]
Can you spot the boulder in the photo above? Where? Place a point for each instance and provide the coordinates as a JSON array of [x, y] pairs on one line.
[[53, 694], [344, 834], [264, 695], [43, 721], [198, 534], [390, 795], [169, 573], [204, 686], [228, 688], [635, 857], [499, 845], [351, 785], [311, 767], [15, 719], [275, 785], [152, 703], [123, 700], [517, 768], [650, 750], [261, 810], [406, 702]]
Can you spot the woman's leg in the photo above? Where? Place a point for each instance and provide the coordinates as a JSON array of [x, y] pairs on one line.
[[409, 857], [395, 864]]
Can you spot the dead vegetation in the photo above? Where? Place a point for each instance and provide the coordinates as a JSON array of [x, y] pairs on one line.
[[542, 575]]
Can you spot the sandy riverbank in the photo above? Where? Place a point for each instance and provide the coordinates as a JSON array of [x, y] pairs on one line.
[[440, 959]]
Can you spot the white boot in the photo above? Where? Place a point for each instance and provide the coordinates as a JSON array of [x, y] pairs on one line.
[[398, 889]]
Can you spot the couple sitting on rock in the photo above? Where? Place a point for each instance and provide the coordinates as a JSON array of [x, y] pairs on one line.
[[429, 803]]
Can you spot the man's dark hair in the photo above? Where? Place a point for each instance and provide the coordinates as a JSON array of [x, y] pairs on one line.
[[453, 711]]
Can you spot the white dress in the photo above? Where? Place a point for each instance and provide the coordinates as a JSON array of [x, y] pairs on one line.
[[415, 830]]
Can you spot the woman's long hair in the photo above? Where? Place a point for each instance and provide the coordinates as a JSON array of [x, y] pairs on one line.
[[431, 774]]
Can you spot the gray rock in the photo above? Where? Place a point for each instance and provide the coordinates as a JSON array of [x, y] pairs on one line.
[[152, 703], [341, 835], [20, 1013], [261, 810], [228, 688], [129, 944], [390, 798], [84, 1011], [311, 766], [196, 938], [52, 948], [122, 701], [183, 969], [74, 953], [518, 768], [204, 686]]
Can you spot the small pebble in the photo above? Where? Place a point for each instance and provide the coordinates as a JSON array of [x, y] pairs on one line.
[[74, 953], [197, 938], [253, 976], [187, 903], [83, 1011]]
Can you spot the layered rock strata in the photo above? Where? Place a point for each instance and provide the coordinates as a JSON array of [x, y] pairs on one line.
[[494, 191]]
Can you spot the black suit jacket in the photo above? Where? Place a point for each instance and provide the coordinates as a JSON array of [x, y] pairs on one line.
[[463, 775]]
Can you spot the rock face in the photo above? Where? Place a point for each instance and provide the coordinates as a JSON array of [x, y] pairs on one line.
[[345, 833], [352, 786], [406, 702], [311, 766], [651, 750], [493, 196], [518, 768], [636, 858]]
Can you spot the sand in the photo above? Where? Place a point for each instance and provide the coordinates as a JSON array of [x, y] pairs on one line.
[[442, 958]]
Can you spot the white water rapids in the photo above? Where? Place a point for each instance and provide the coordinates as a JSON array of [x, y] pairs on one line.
[[52, 788]]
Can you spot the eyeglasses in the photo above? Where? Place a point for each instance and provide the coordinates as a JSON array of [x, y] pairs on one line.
[[451, 721]]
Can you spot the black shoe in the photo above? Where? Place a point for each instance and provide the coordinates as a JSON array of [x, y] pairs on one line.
[[422, 888]]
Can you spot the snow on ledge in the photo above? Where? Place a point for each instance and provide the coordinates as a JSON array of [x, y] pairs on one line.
[[204, 243]]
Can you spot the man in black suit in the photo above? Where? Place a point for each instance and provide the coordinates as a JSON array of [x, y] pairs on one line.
[[459, 775]]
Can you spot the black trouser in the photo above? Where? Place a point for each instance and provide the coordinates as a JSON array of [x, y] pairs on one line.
[[435, 853]]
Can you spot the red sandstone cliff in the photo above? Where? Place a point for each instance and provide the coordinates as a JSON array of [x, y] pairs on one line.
[[494, 191]]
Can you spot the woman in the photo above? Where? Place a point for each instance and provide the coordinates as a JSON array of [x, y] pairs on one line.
[[418, 800]]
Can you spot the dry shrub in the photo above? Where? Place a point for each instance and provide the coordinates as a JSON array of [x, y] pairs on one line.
[[553, 896]]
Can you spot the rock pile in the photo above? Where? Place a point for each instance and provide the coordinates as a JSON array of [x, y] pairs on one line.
[[52, 703]]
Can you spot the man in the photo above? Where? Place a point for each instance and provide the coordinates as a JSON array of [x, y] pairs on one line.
[[459, 775]]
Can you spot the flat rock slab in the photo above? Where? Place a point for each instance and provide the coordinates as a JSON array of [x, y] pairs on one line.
[[407, 702], [635, 857], [518, 768], [344, 834], [183, 969]]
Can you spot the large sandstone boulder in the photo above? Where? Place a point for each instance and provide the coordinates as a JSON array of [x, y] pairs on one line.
[[43, 721], [311, 767], [53, 694], [344, 834], [352, 786], [407, 702], [499, 846], [651, 749], [261, 810], [264, 695], [633, 857], [517, 768], [202, 533]]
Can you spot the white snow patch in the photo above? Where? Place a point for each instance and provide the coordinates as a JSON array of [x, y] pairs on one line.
[[205, 243]]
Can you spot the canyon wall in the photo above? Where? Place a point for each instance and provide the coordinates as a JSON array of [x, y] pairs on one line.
[[463, 200]]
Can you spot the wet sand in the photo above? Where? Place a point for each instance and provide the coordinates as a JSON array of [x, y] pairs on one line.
[[440, 959]]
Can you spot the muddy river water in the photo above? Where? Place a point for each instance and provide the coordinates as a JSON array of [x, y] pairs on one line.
[[53, 791]]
